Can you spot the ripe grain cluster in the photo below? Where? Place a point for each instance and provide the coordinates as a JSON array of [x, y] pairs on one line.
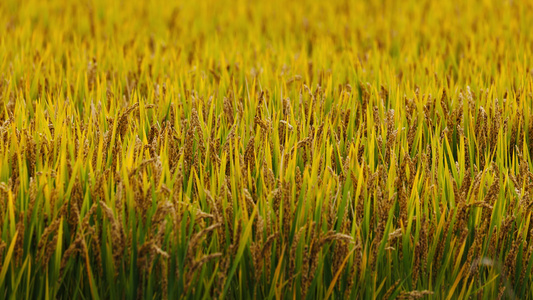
[[270, 149]]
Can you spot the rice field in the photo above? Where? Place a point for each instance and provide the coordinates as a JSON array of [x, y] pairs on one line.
[[266, 149]]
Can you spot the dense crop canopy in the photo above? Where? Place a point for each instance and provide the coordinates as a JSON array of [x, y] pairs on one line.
[[278, 149]]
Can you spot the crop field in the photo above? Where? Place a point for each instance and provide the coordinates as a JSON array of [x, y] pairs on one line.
[[266, 149]]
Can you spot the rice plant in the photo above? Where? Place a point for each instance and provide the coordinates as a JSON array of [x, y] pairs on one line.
[[266, 150]]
